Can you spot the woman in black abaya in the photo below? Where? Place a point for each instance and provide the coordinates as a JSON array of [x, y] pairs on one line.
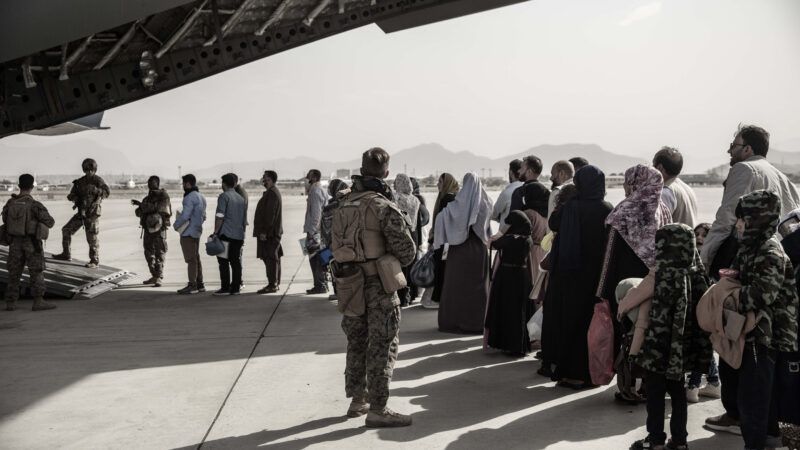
[[577, 263], [509, 303]]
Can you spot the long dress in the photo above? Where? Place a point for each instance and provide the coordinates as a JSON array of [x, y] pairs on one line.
[[570, 298], [509, 306], [439, 265], [462, 305]]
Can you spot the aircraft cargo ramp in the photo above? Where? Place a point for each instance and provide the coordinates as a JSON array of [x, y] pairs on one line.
[[70, 279]]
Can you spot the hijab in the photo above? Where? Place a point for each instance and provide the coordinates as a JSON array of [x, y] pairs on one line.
[[335, 186], [449, 186], [536, 196], [641, 213], [471, 210], [518, 224], [405, 198], [590, 182]]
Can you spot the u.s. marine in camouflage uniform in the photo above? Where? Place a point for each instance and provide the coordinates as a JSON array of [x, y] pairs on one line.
[[24, 218], [372, 338], [674, 343], [769, 291], [154, 212], [86, 194]]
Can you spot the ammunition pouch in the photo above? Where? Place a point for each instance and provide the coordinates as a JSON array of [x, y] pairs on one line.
[[391, 274], [350, 280]]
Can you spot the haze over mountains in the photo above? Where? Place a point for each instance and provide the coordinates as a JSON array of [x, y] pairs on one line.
[[421, 160], [426, 159]]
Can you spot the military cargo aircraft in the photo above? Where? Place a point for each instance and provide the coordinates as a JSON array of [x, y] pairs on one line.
[[63, 62]]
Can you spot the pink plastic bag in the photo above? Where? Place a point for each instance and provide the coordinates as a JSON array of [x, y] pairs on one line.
[[601, 345]]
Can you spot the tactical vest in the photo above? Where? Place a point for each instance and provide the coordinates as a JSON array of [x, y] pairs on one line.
[[20, 220], [356, 234]]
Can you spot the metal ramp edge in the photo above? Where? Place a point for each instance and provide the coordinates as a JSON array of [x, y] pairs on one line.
[[70, 279]]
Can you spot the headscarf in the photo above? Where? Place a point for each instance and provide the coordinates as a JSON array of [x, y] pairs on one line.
[[641, 213], [449, 186], [590, 182], [670, 345], [471, 210], [335, 186], [405, 198], [536, 197], [518, 224]]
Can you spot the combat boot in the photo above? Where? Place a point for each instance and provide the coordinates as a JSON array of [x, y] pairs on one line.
[[151, 280], [358, 407], [92, 265], [386, 418], [63, 256], [11, 306], [40, 305]]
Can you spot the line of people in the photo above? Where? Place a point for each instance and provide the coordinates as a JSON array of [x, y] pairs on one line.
[[567, 252]]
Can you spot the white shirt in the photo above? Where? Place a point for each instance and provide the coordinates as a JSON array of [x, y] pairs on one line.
[[503, 204]]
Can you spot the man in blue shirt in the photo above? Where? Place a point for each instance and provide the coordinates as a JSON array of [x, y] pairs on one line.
[[190, 225], [230, 222]]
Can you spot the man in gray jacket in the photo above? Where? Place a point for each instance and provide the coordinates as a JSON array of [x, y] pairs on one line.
[[316, 201], [750, 172]]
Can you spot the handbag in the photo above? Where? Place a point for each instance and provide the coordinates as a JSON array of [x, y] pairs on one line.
[[600, 340], [214, 246], [422, 272]]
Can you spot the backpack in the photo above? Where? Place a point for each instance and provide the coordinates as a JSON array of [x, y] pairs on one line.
[[349, 223], [17, 217]]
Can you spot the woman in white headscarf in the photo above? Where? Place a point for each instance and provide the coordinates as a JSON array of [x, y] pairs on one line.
[[463, 230], [409, 204]]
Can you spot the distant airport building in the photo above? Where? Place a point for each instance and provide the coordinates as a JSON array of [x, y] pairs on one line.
[[343, 173]]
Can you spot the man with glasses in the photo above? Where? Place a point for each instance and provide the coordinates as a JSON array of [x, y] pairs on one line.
[[750, 171]]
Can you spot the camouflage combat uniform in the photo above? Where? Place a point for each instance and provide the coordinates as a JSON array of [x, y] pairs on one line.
[[372, 339], [87, 193], [769, 291], [25, 249], [155, 205]]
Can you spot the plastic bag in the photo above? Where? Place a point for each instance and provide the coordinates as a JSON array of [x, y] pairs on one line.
[[422, 273], [535, 325], [214, 246], [600, 340]]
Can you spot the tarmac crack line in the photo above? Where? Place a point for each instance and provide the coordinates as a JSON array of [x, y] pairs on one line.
[[250, 356]]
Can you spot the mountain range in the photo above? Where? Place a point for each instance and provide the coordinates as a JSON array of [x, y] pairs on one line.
[[426, 159], [421, 160]]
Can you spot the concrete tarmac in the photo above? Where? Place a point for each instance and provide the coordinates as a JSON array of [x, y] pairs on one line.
[[145, 368]]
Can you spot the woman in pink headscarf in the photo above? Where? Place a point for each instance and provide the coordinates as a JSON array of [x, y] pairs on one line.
[[631, 245]]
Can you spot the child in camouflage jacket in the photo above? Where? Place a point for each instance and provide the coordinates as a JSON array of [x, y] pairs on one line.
[[674, 344]]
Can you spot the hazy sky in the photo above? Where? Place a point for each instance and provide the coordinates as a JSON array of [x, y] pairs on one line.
[[628, 75]]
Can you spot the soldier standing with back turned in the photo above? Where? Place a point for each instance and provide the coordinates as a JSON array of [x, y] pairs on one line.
[[87, 193], [27, 224], [154, 212], [368, 230]]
